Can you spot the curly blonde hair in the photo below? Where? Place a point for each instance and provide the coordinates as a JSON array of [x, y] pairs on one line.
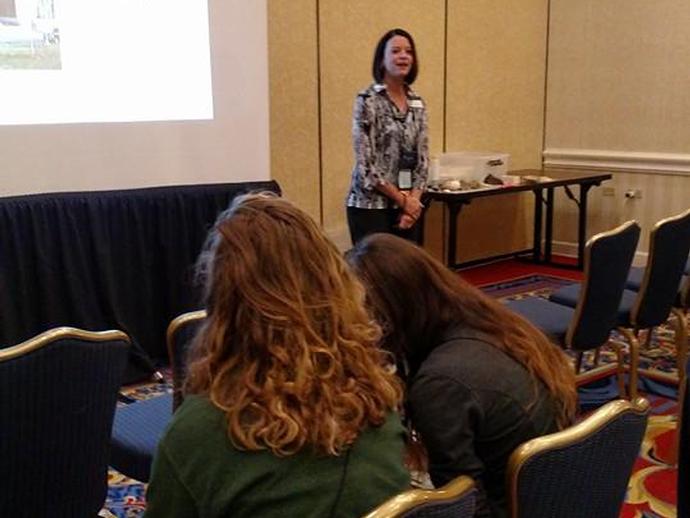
[[288, 350]]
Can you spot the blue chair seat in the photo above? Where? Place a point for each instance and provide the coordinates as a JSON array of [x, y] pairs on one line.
[[137, 429], [635, 276], [625, 308], [569, 295], [552, 319]]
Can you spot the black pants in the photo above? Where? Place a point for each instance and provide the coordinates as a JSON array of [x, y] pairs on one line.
[[363, 222]]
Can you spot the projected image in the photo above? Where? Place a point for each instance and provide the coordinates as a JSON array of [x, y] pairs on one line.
[[29, 35], [74, 61]]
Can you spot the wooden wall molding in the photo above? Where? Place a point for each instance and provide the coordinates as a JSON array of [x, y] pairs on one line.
[[630, 161]]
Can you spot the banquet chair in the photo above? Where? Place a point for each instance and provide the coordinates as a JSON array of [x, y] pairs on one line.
[[579, 472], [58, 392], [137, 429], [652, 305], [179, 337], [636, 276], [139, 426], [683, 440], [456, 499], [588, 325], [681, 304]]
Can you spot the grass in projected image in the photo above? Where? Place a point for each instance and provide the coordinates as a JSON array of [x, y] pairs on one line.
[[29, 35], [25, 56]]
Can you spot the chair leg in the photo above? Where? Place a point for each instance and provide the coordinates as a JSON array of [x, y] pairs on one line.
[[648, 339], [634, 359], [682, 394], [597, 352], [620, 371], [681, 338], [578, 362]]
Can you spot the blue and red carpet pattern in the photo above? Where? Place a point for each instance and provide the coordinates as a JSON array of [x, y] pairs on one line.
[[652, 487]]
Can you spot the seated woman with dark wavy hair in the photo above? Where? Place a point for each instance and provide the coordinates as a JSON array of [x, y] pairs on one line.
[[480, 379], [290, 406]]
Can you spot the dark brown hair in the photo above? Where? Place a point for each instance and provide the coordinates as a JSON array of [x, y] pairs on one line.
[[416, 299], [288, 350], [377, 65]]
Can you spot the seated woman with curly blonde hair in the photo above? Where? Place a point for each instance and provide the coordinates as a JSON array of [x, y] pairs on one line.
[[291, 407]]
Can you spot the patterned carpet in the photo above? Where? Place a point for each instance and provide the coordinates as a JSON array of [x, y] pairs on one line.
[[652, 487]]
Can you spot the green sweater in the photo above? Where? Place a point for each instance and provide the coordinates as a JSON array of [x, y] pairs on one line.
[[197, 472]]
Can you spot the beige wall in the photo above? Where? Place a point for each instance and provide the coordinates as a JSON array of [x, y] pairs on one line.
[[493, 96], [663, 195], [495, 102], [496, 56], [294, 103], [349, 33], [618, 75], [7, 8], [616, 85], [618, 100]]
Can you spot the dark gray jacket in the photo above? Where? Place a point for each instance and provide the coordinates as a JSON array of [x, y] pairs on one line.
[[473, 405]]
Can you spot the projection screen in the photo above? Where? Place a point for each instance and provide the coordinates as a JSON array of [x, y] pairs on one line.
[[113, 94]]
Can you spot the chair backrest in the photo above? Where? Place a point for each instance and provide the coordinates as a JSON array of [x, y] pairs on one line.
[[58, 392], [668, 253], [608, 257], [179, 336], [684, 447], [581, 471], [454, 500]]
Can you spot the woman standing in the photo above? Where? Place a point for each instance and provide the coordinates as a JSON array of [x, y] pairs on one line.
[[480, 379], [290, 406], [390, 139]]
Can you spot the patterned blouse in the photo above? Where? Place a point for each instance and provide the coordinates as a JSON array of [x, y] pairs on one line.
[[381, 134]]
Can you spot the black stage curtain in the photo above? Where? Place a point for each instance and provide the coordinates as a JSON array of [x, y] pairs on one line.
[[109, 259]]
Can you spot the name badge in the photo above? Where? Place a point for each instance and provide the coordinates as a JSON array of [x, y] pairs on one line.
[[415, 103], [404, 179]]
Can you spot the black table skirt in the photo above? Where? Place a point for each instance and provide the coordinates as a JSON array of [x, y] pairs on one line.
[[107, 259]]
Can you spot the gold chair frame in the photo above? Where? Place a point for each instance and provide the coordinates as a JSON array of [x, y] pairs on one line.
[[175, 325], [413, 498], [569, 436], [60, 333], [620, 367], [680, 324]]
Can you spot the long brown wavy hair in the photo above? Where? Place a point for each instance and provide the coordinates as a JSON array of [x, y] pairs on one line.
[[416, 299], [288, 350]]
